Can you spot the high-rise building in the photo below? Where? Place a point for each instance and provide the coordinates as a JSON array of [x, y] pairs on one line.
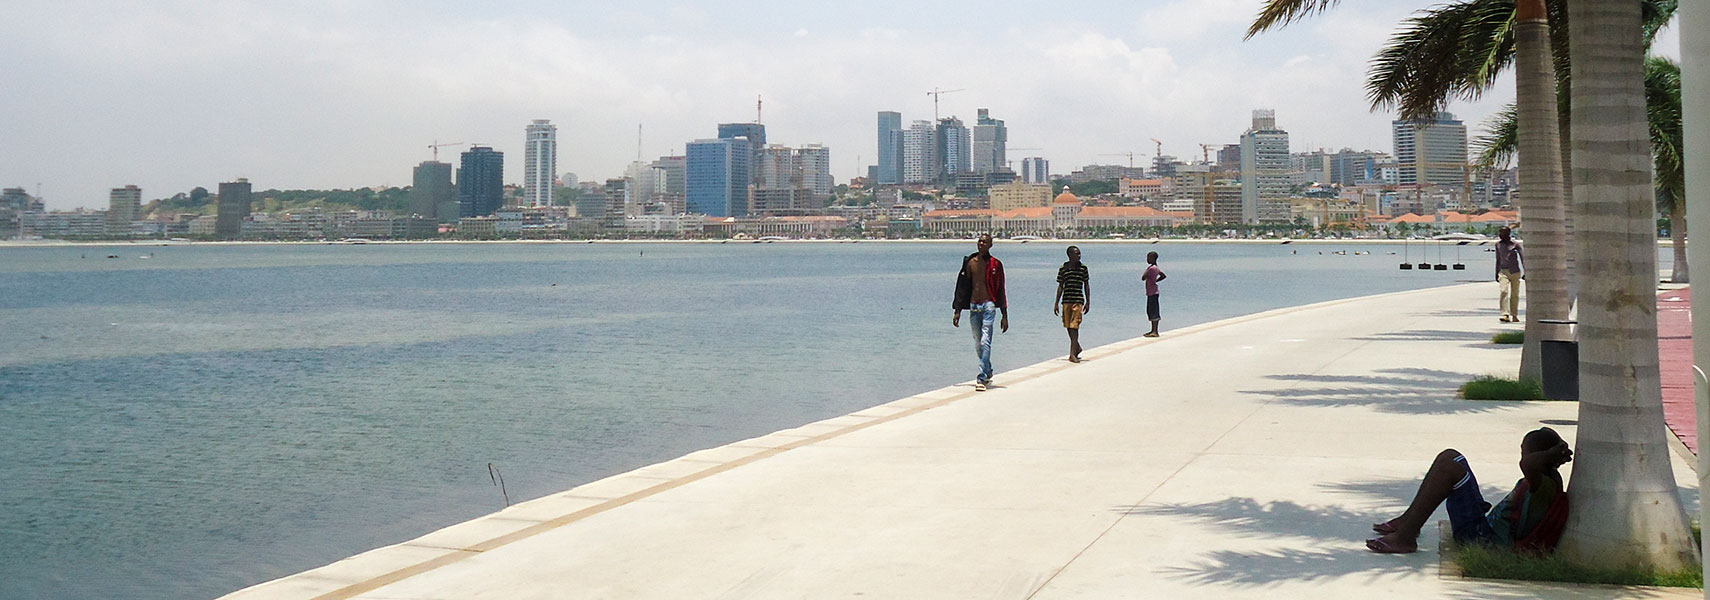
[[540, 163], [990, 141], [1431, 151], [717, 176], [1035, 169], [890, 167], [952, 149], [431, 189], [815, 163], [234, 203], [619, 202], [920, 153], [755, 133], [1229, 157], [1017, 194], [1164, 165], [1264, 171], [122, 206], [1355, 168], [481, 182]]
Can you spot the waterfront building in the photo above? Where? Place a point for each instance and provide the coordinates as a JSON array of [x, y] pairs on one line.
[[1348, 167], [990, 139], [1019, 194], [122, 206], [1065, 215], [717, 176], [890, 167], [1145, 188], [431, 191], [920, 153], [1431, 151], [1164, 165], [1229, 158], [755, 133], [619, 203], [815, 164], [232, 209], [481, 182], [1264, 171], [591, 204], [952, 148], [540, 163], [1035, 169], [1309, 167]]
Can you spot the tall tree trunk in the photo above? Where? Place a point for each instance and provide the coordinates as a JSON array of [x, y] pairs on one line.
[[1626, 510], [1677, 234], [1541, 203]]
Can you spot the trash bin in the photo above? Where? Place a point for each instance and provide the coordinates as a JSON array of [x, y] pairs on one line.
[[1560, 362]]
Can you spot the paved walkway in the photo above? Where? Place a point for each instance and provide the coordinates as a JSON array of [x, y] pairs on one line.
[[1238, 459], [1674, 350]]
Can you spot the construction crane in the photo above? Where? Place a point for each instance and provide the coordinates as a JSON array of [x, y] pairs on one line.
[[1160, 147], [1205, 149], [1130, 156], [435, 146], [935, 93], [1011, 162]]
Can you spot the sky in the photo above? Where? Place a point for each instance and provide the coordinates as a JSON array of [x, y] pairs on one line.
[[173, 94]]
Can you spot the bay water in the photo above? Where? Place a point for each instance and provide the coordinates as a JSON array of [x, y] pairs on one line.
[[183, 421]]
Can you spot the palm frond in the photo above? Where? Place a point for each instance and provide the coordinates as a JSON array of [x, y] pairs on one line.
[[1501, 139], [1663, 111], [1657, 14], [1448, 51], [1279, 13]]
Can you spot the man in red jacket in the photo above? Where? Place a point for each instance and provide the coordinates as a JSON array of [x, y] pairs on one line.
[[979, 290]]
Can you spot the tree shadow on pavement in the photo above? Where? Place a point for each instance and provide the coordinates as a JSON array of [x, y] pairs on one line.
[[1428, 335], [1293, 559], [1400, 390], [1460, 312]]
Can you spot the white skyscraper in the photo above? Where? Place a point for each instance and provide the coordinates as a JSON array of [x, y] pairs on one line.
[[990, 141], [815, 163], [1264, 171], [540, 162], [920, 153]]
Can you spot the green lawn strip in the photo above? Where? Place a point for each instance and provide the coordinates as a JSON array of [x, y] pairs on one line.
[[1491, 562], [1491, 387], [1508, 337]]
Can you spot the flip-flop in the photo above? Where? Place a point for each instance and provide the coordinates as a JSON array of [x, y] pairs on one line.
[[1380, 546], [1386, 527]]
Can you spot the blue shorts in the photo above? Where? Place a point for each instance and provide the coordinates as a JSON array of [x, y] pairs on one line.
[[1467, 510]]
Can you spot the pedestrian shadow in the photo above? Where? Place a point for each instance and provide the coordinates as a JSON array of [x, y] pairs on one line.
[[1401, 390]]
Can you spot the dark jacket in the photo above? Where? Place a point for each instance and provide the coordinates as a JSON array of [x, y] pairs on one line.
[[965, 284]]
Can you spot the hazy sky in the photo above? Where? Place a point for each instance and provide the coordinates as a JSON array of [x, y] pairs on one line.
[[171, 94]]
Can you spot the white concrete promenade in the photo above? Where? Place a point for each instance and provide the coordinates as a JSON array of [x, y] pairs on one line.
[[1243, 458]]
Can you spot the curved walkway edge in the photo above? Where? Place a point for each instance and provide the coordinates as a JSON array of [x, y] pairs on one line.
[[1241, 458]]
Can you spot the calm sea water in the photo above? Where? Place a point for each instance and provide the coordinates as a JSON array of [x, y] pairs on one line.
[[211, 417]]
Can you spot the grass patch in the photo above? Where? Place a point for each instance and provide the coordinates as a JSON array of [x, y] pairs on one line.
[[1491, 387], [1491, 562], [1509, 337]]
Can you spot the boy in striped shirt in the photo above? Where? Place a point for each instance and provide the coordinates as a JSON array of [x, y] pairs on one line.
[[1074, 299]]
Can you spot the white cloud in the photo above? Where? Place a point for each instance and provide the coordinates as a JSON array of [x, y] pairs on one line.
[[181, 94]]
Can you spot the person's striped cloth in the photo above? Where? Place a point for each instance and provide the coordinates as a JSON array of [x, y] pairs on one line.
[[1073, 277]]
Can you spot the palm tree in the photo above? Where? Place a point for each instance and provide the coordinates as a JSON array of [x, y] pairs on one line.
[[1459, 50], [1625, 507], [1663, 111]]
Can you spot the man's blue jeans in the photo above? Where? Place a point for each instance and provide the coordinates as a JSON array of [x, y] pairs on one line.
[[982, 318]]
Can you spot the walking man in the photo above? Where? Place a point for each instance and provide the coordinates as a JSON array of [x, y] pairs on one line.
[[1509, 272], [1074, 299], [979, 290], [1152, 277]]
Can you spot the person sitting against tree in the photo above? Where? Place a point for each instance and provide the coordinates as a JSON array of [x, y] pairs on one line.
[[1530, 518]]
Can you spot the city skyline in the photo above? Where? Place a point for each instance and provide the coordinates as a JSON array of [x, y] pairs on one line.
[[306, 98]]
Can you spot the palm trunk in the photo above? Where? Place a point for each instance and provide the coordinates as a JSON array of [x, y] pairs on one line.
[[1677, 235], [1541, 203], [1626, 510]]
